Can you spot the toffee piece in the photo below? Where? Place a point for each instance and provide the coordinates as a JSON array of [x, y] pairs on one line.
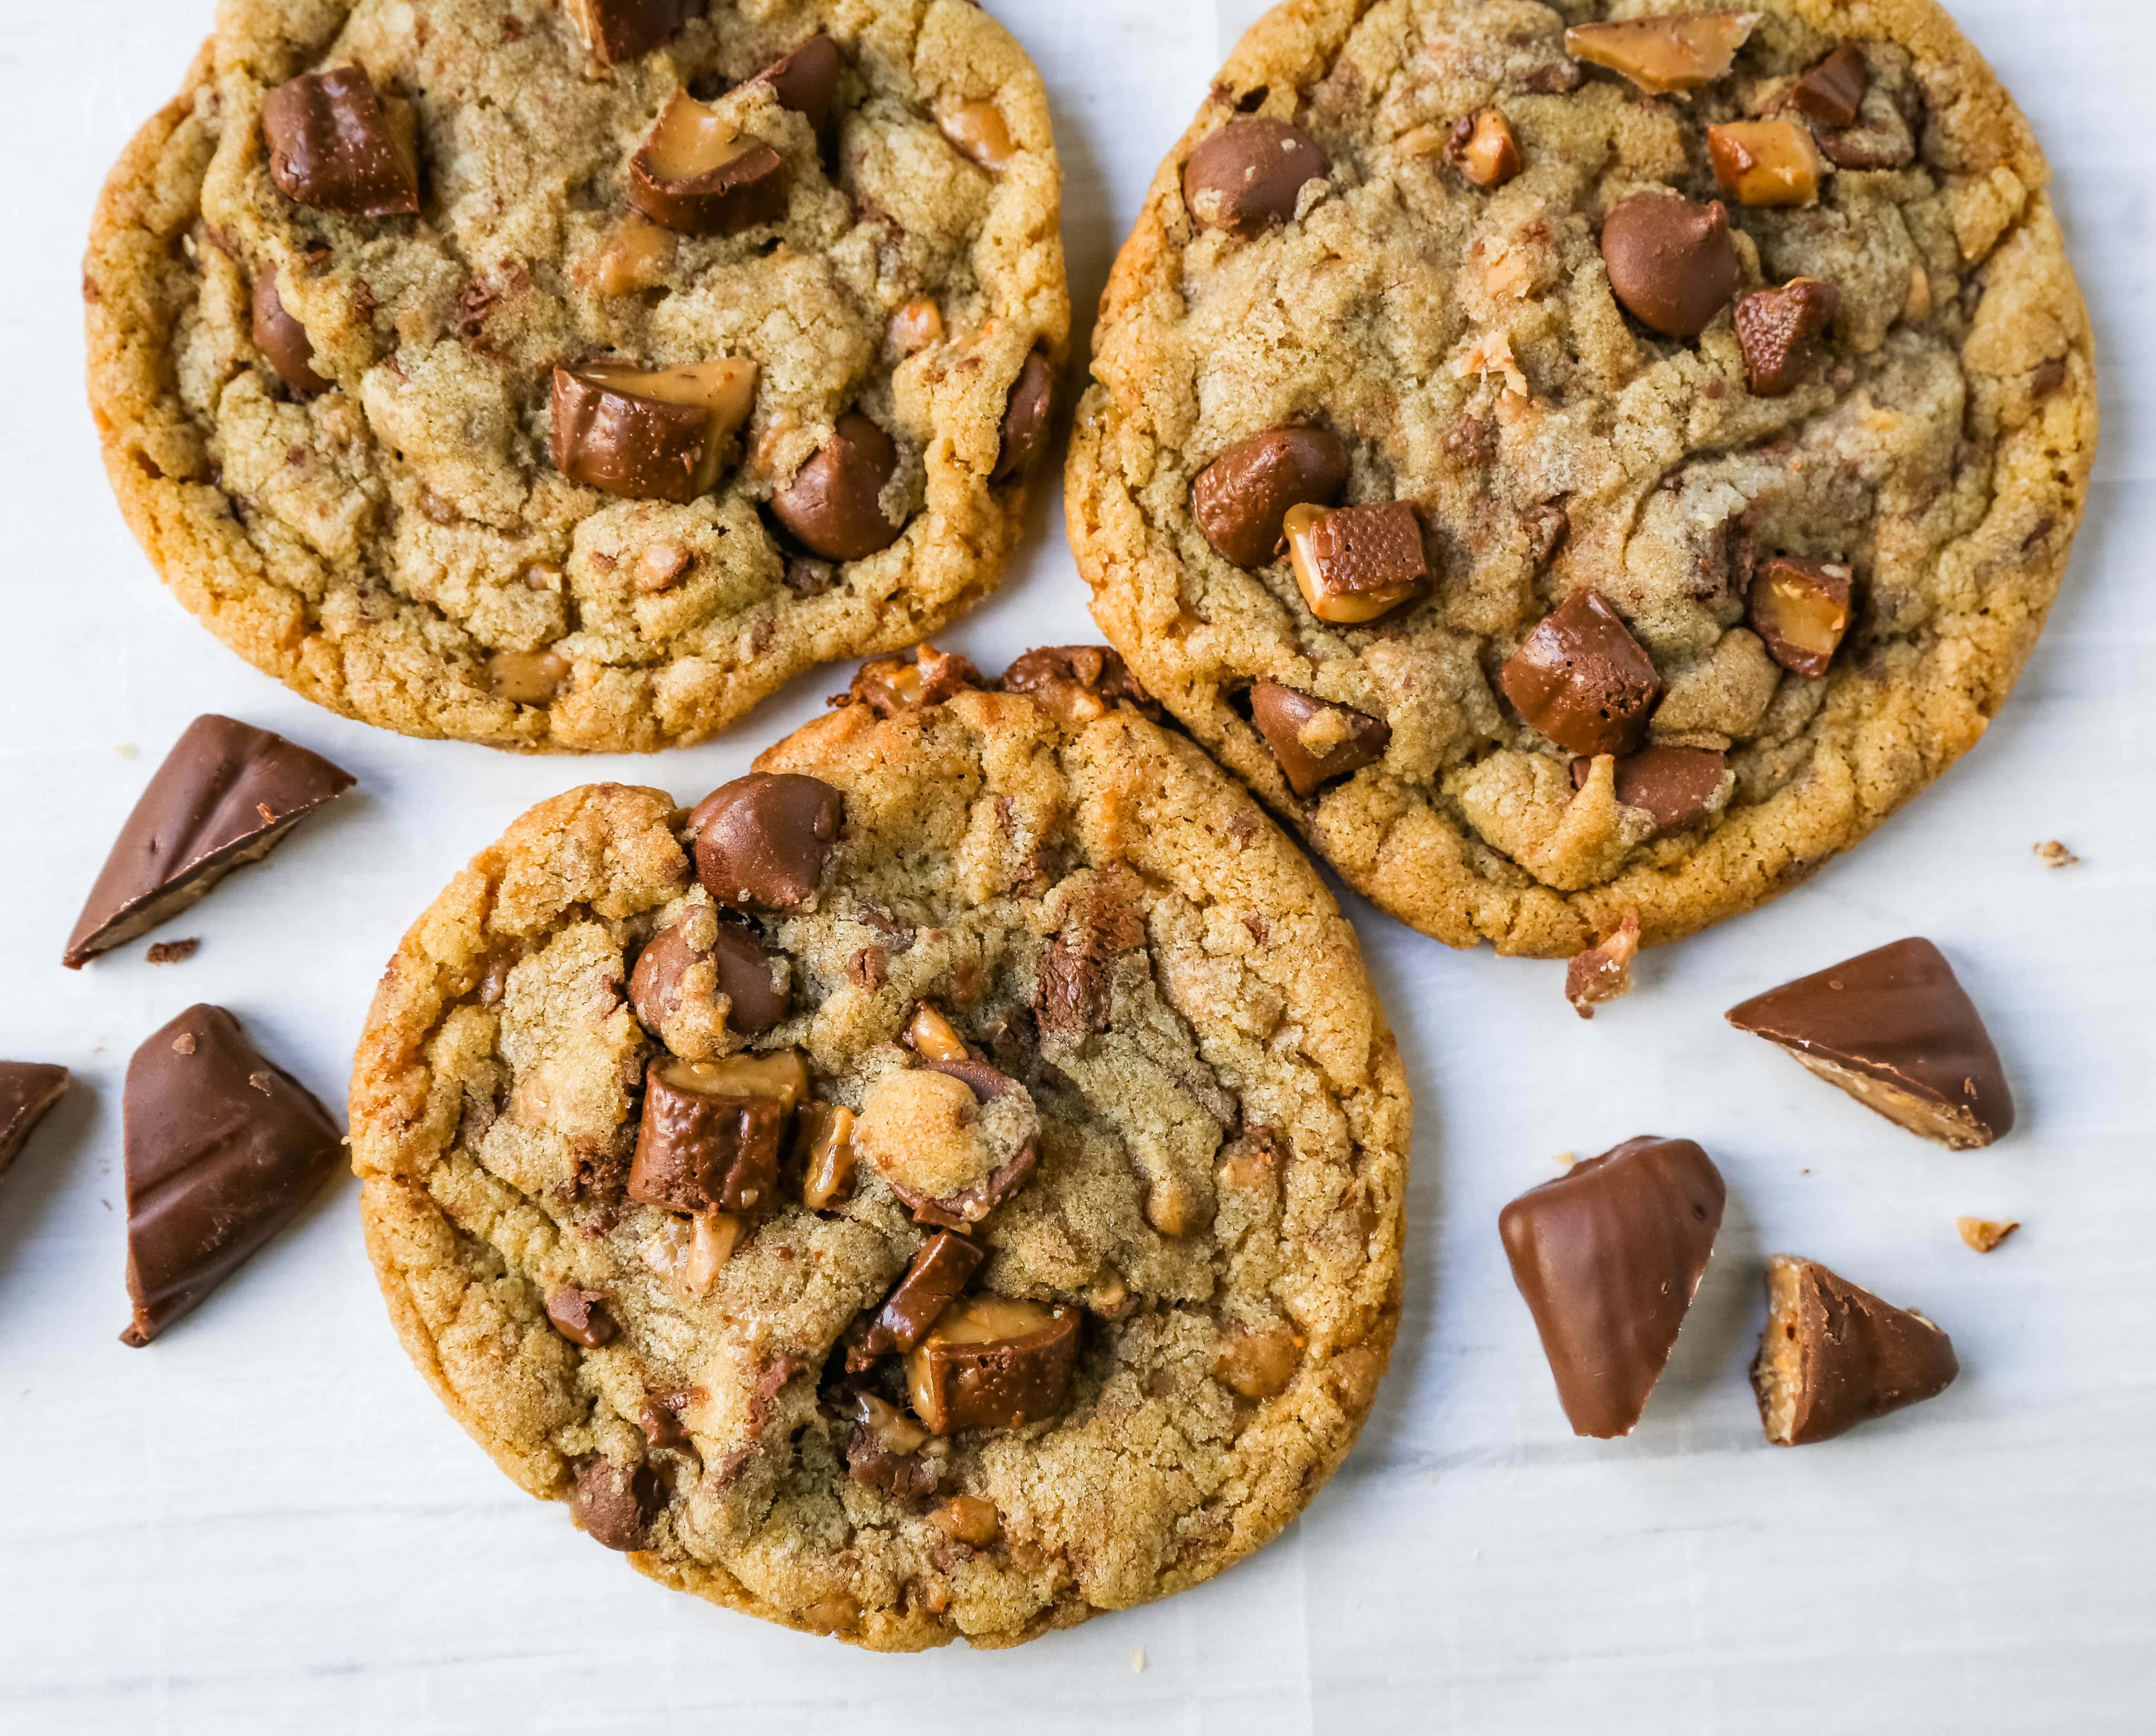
[[29, 1090], [1833, 1355]]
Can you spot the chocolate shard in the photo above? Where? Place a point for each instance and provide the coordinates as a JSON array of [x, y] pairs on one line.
[[226, 795], [336, 144], [1833, 1355], [28, 1089], [1581, 679], [932, 1282], [1895, 1030], [1608, 1256], [1314, 740], [222, 1149]]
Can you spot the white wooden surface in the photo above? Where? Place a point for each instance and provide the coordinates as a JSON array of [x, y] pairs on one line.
[[266, 1523]]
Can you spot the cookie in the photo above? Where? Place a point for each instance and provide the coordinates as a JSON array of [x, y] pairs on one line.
[[570, 377], [1730, 367], [948, 1182]]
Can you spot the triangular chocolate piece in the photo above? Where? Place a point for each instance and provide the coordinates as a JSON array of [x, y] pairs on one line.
[[1834, 1356], [1895, 1030], [225, 795], [1608, 1256], [222, 1149], [27, 1089]]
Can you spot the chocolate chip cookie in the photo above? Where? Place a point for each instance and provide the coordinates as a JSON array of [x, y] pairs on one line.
[[947, 1182], [1578, 468], [568, 374]]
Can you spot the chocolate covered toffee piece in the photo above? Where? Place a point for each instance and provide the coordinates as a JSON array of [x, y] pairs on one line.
[[570, 374], [225, 796], [1488, 388], [1834, 1356], [1608, 1256], [947, 1181], [1894, 1028], [28, 1089], [223, 1148]]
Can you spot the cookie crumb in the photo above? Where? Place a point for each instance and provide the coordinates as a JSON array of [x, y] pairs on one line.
[[1983, 1233], [2052, 854], [173, 952], [1603, 972], [126, 750], [1137, 1660], [1566, 1159]]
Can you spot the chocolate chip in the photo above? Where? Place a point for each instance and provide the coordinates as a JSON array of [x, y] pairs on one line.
[[615, 1504], [1608, 1256], [696, 175], [581, 1317], [993, 1362], [28, 1091], [806, 81], [283, 341], [1242, 497], [1674, 784], [618, 31], [331, 145], [1800, 609], [758, 996], [1025, 418], [1833, 1355], [934, 1280], [225, 796], [1895, 1030], [834, 504], [659, 1417], [1779, 329], [1315, 739], [1832, 92], [1077, 683], [711, 1132], [216, 1162], [649, 433], [869, 969], [1671, 262], [1482, 148], [1355, 564], [763, 840], [1582, 680], [1248, 176]]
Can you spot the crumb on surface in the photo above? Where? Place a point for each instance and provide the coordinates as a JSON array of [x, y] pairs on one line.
[[1603, 972], [173, 952], [1985, 1234], [2052, 854]]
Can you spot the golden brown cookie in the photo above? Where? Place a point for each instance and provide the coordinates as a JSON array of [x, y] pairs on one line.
[[947, 1184], [1731, 369], [569, 377]]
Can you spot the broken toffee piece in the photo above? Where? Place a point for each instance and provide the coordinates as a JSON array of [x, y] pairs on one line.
[[1800, 609], [992, 1362], [1608, 1256], [1603, 972], [29, 1090], [711, 1132], [1834, 1356], [334, 144], [1778, 331], [695, 174], [1353, 564], [763, 840], [223, 1150], [1894, 1028], [1314, 740], [649, 433], [939, 1273], [1241, 500], [1665, 54], [226, 795], [1582, 680]]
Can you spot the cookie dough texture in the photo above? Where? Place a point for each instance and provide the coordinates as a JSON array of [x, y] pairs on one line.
[[1467, 344], [1238, 1060], [379, 546]]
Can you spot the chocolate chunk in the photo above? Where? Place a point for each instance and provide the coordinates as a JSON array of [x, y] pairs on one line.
[[1070, 997], [1582, 680], [1894, 1028], [1671, 262], [826, 1149], [806, 81], [1603, 972], [1779, 330], [1247, 177], [1482, 148], [29, 1090], [763, 840], [1834, 1356], [225, 796], [1800, 610], [332, 146], [1832, 92], [659, 1418], [1765, 163], [884, 1449], [223, 1150], [1353, 564], [888, 685], [283, 341], [834, 502], [618, 31], [1314, 740], [649, 433], [1242, 498], [1883, 135], [581, 1317], [1025, 418], [695, 174], [1077, 683], [614, 1503], [939, 1273], [757, 996], [1608, 1256], [993, 1362], [1674, 784], [1665, 53], [711, 1132]]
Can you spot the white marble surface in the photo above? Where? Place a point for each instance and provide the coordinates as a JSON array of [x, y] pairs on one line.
[[266, 1523]]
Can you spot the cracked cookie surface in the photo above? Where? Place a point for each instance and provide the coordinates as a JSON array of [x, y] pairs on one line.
[[339, 436], [1696, 612], [1069, 1273]]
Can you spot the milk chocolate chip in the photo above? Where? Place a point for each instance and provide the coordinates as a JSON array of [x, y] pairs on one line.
[[939, 1273], [1242, 498], [1674, 784], [695, 174], [614, 1503], [1779, 330], [759, 991], [1671, 262], [1247, 177], [581, 1317], [1582, 680], [1832, 92], [712, 1131], [27, 1090], [1765, 163], [617, 31], [283, 341], [1665, 54], [1025, 418], [332, 145], [993, 1362], [1315, 739], [1894, 1028], [807, 81], [761, 841], [1834, 1356], [1608, 1256], [649, 433], [1800, 610], [1353, 564], [834, 504]]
